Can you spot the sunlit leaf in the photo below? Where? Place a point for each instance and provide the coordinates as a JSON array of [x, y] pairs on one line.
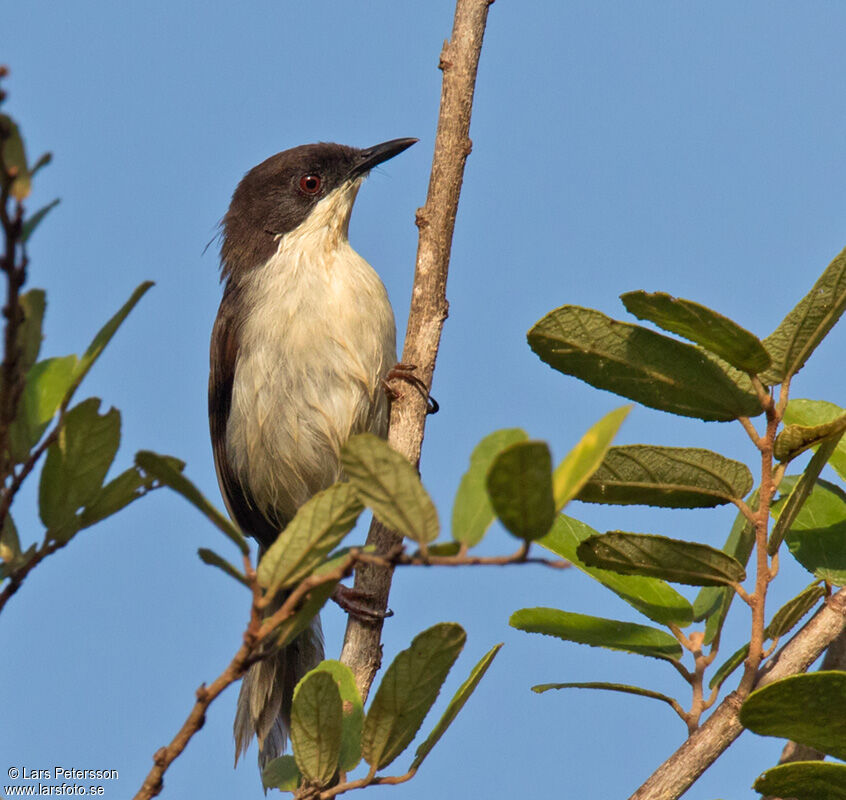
[[31, 223], [472, 512], [818, 412], [796, 439], [389, 485], [214, 560], [799, 333], [804, 780], [824, 506], [584, 459], [520, 488], [671, 477], [281, 773], [653, 597], [608, 687], [407, 691], [640, 364], [16, 173], [598, 632], [10, 544], [713, 331], [802, 708], [114, 496], [673, 560], [353, 717], [33, 303]]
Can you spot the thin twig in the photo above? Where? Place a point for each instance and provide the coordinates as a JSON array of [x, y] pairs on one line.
[[436, 220]]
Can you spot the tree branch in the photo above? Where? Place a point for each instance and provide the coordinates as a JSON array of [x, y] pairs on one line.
[[436, 220], [675, 776]]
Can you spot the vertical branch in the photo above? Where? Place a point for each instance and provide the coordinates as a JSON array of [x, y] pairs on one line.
[[459, 62]]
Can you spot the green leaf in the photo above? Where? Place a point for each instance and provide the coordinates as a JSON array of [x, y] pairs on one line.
[[608, 687], [162, 469], [389, 485], [76, 466], [47, 383], [826, 504], [43, 160], [407, 691], [818, 412], [14, 173], [796, 439], [804, 780], [792, 342], [802, 708], [472, 512], [35, 220], [584, 459], [317, 528], [353, 708], [214, 560], [10, 544], [785, 619], [670, 477], [713, 331], [598, 632], [822, 551], [33, 303], [653, 597], [793, 505], [637, 363], [316, 715], [673, 560], [520, 488], [455, 705], [104, 336], [114, 496], [282, 773]]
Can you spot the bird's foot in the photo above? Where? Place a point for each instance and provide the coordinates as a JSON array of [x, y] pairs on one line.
[[359, 604], [405, 372]]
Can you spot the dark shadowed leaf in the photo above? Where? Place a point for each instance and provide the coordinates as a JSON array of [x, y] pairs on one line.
[[214, 560], [389, 485], [33, 304], [608, 687], [472, 512], [713, 331], [584, 459], [520, 488], [671, 477], [808, 709], [818, 412], [353, 717], [673, 560], [792, 342], [653, 597], [14, 160], [10, 544], [729, 666], [31, 223], [316, 719], [407, 691], [640, 364], [796, 499], [804, 780], [316, 530], [104, 336], [164, 469], [76, 465], [455, 705], [281, 773], [598, 632]]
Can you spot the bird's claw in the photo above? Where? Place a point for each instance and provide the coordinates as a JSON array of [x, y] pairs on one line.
[[359, 604], [404, 372]]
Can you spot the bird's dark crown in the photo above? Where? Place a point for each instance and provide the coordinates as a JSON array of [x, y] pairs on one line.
[[278, 195]]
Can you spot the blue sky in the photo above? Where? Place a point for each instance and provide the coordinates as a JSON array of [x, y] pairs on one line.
[[679, 147]]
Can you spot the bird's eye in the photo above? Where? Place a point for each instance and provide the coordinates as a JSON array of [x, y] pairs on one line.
[[310, 184]]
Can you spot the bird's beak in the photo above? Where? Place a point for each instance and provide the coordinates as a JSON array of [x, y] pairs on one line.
[[371, 156]]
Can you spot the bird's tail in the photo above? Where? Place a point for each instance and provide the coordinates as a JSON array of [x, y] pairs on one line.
[[264, 704]]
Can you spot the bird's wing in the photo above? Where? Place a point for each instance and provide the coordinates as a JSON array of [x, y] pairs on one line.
[[224, 348]]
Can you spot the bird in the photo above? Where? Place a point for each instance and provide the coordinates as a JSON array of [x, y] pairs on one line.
[[302, 344]]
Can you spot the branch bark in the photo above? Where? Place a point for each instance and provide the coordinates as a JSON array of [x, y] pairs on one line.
[[675, 776], [436, 221]]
